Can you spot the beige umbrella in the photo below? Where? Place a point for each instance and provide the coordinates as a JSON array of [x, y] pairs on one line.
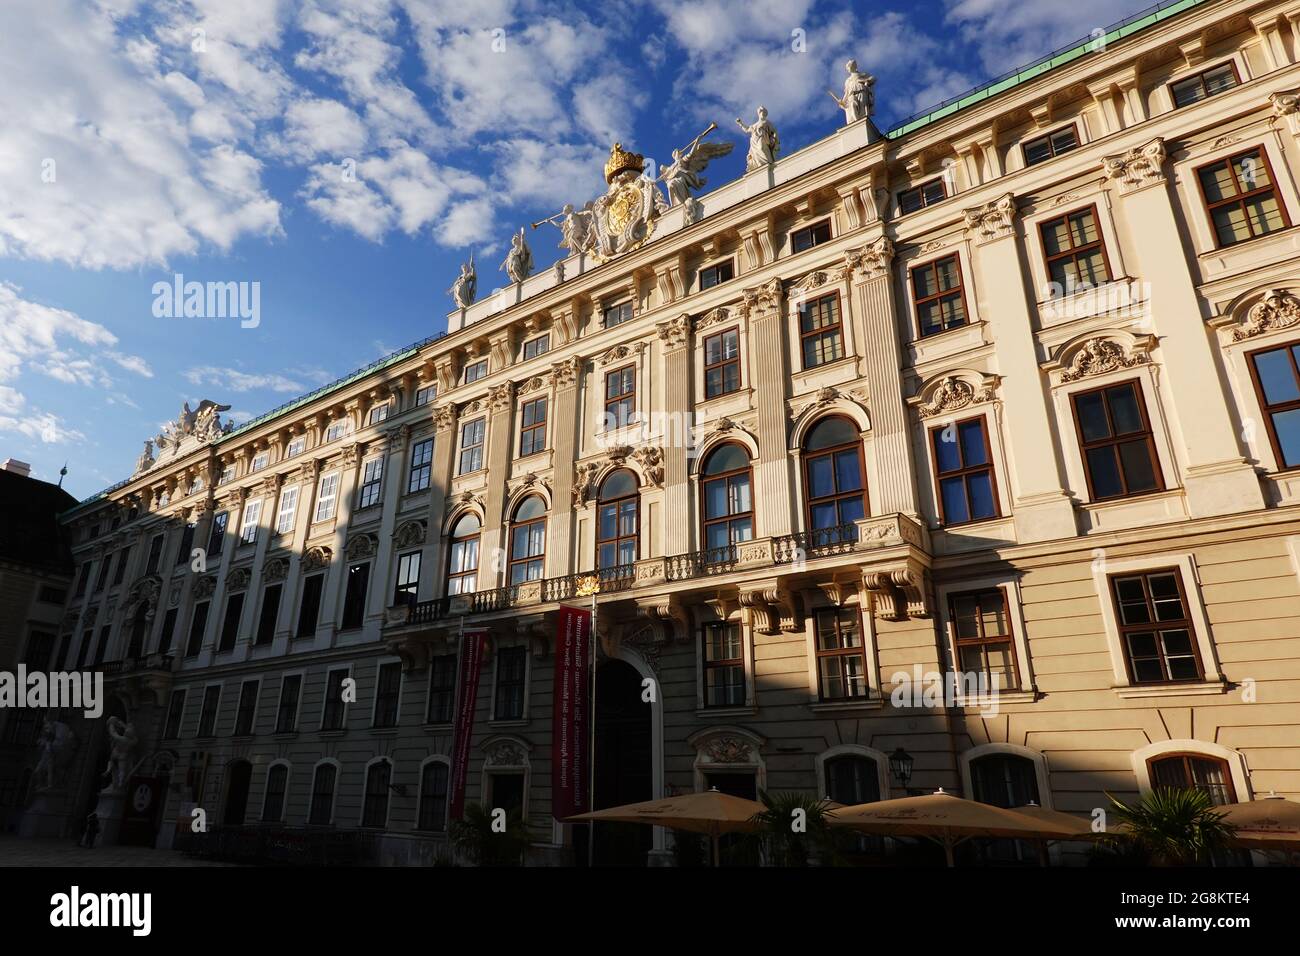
[[1270, 823], [712, 813], [946, 819], [1079, 829]]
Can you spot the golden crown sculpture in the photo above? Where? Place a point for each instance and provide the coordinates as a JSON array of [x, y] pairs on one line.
[[621, 160]]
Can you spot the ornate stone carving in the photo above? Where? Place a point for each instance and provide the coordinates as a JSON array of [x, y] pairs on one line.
[[205, 586], [952, 393], [309, 471], [237, 580], [566, 372], [675, 332], [584, 478], [143, 592], [713, 317], [361, 546], [500, 397], [316, 558], [352, 454], [410, 533], [762, 298], [621, 352], [903, 589], [775, 608], [1286, 103], [444, 417], [992, 220], [534, 384], [651, 460], [277, 569], [1097, 356], [871, 261], [1279, 309], [397, 436], [506, 753], [1139, 167], [725, 748]]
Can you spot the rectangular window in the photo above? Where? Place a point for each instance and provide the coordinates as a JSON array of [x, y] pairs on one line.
[[309, 609], [183, 553], [227, 475], [841, 661], [471, 446], [1203, 85], [1155, 627], [208, 713], [336, 430], [919, 197], [252, 515], [476, 370], [407, 588], [155, 555], [286, 713], [820, 332], [425, 395], [246, 715], [230, 624], [388, 688], [260, 461], [617, 314], [1043, 148], [512, 664], [217, 536], [321, 812], [372, 476], [1277, 384], [327, 497], [168, 631], [433, 797], [722, 363], [296, 447], [288, 510], [718, 273], [84, 576], [87, 639], [963, 466], [532, 427], [442, 689], [1119, 451], [620, 397], [803, 239], [332, 713], [724, 665], [1076, 255], [939, 295], [538, 346], [175, 711], [379, 413], [104, 563], [270, 611], [1241, 198], [198, 624], [981, 630], [421, 471], [354, 599], [120, 571]]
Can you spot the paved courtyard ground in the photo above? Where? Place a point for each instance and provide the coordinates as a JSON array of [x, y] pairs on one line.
[[45, 852]]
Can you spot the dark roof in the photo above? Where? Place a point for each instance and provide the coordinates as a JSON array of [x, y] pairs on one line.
[[30, 532]]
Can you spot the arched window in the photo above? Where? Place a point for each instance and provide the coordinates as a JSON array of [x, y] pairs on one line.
[[618, 523], [277, 782], [1004, 780], [728, 501], [322, 795], [433, 796], [852, 779], [834, 480], [1194, 772], [374, 809], [462, 560], [528, 540]]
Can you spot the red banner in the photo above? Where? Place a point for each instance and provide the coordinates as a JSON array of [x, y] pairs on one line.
[[571, 721], [471, 663]]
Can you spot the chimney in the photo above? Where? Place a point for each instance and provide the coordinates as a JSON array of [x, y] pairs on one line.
[[17, 467]]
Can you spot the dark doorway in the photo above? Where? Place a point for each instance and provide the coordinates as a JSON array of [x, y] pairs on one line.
[[623, 763], [240, 775]]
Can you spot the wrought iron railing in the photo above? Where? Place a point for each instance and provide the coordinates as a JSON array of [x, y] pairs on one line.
[[694, 564], [818, 543], [426, 612], [147, 662]]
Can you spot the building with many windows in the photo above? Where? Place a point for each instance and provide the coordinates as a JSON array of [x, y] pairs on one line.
[[1010, 393]]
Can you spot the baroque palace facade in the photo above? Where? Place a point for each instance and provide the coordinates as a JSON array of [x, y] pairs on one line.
[[1013, 391]]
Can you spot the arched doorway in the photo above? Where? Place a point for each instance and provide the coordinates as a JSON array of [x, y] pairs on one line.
[[239, 776], [623, 762]]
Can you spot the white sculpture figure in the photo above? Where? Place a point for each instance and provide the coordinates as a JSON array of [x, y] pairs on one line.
[[575, 225], [122, 734], [859, 99], [625, 216], [465, 289], [57, 744], [764, 143], [682, 176], [207, 420], [146, 459], [518, 264]]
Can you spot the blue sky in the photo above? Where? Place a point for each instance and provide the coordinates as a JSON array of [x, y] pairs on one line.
[[210, 137]]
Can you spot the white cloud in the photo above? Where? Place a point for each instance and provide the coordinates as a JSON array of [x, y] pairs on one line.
[[17, 418], [1011, 35], [234, 380]]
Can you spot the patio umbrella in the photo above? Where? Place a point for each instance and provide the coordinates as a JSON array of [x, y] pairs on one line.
[[712, 813], [1080, 829], [1270, 823], [946, 819]]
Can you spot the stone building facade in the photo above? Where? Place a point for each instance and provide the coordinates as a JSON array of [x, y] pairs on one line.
[[1011, 391]]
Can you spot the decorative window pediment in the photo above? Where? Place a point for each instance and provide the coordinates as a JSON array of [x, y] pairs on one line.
[[953, 391], [1097, 353]]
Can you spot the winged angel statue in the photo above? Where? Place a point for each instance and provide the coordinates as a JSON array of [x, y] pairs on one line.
[[682, 176]]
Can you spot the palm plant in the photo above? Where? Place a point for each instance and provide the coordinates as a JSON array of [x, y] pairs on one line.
[[474, 838], [784, 843], [1174, 827]]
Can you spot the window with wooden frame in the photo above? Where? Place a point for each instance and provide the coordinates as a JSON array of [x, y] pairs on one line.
[[532, 427], [354, 596], [1116, 442], [406, 589], [841, 657], [1241, 197], [620, 397], [175, 711], [372, 476], [246, 712], [425, 395], [471, 446], [334, 709], [309, 608], [1042, 148], [618, 516], [722, 363], [421, 470], [728, 504], [476, 370], [938, 295], [528, 540], [982, 637], [804, 239], [442, 689], [617, 314], [1074, 250], [434, 780], [321, 812], [835, 480], [537, 346], [1207, 83], [925, 194], [512, 673], [388, 690], [208, 711], [1155, 627], [286, 711], [821, 333], [1276, 374], [462, 556], [717, 274], [1192, 771], [963, 471], [724, 664], [277, 782]]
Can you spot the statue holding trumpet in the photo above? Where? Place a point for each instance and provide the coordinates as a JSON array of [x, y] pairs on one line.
[[576, 232], [682, 177]]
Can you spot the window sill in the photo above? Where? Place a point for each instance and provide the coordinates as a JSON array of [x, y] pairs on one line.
[[332, 734], [842, 361], [241, 738], [514, 722], [873, 702], [1199, 688], [749, 711], [383, 731], [285, 735], [1010, 697], [438, 728]]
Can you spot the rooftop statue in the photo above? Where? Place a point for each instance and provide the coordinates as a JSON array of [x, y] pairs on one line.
[[764, 143], [518, 264], [859, 99], [682, 176], [577, 228], [625, 216], [465, 289]]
